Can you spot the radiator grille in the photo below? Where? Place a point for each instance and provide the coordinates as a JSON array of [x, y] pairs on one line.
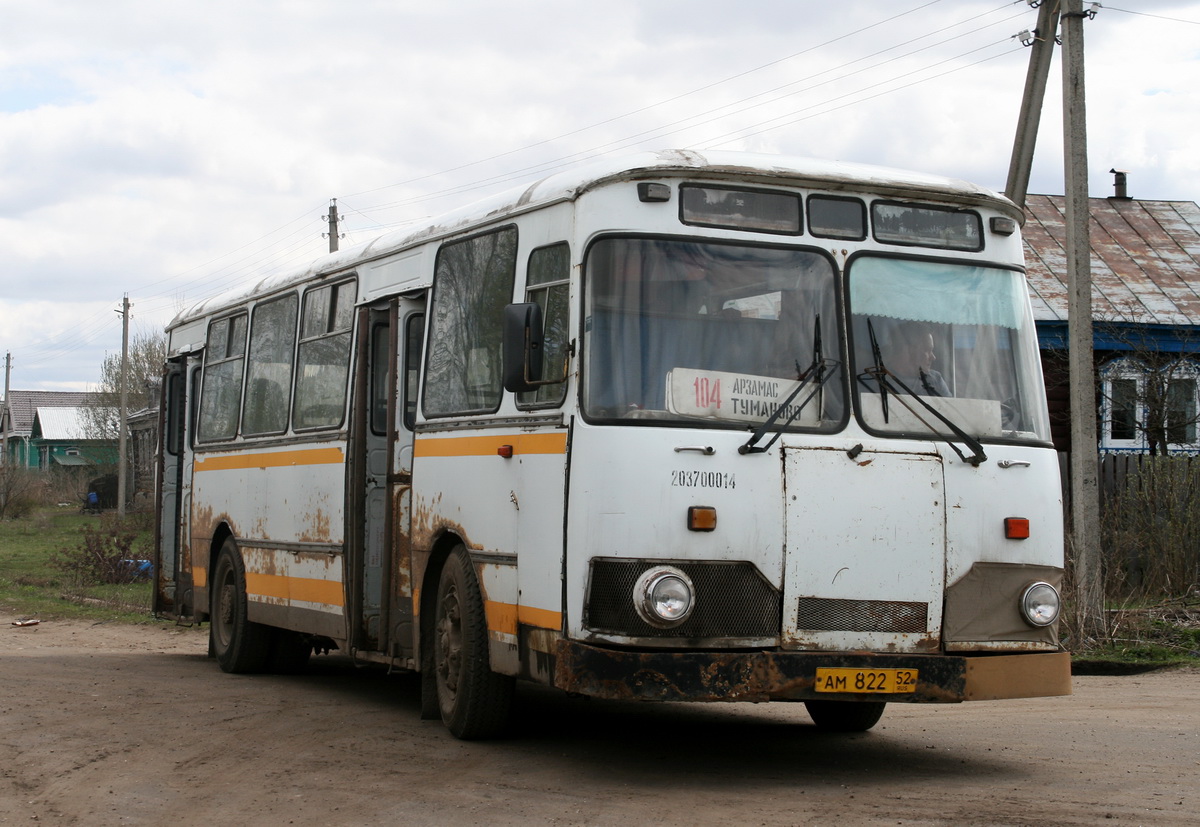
[[828, 615], [733, 600]]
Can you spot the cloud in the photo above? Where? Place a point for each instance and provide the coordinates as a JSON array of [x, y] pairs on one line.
[[173, 151]]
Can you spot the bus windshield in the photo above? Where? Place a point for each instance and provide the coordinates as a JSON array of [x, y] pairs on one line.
[[958, 336], [723, 333]]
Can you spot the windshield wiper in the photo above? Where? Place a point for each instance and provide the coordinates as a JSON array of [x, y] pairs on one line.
[[883, 379], [820, 369]]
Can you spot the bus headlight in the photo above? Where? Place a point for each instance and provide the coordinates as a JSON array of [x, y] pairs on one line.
[[1040, 604], [664, 596]]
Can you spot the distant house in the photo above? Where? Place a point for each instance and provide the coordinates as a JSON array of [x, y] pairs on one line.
[[17, 416], [143, 443], [1146, 314], [61, 438]]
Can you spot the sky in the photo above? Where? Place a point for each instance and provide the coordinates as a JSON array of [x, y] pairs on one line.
[[172, 151]]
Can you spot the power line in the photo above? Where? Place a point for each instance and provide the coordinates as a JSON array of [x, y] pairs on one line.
[[648, 107], [663, 130], [734, 135], [1147, 14]]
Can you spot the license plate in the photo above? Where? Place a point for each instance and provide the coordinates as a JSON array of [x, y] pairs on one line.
[[888, 681]]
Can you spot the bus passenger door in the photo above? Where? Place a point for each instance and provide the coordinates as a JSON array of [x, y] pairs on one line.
[[172, 596], [383, 436]]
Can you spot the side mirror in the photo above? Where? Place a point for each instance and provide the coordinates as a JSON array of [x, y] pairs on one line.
[[523, 344]]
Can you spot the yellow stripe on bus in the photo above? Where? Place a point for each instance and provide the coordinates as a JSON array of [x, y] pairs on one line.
[[308, 590], [478, 446], [504, 617], [272, 459]]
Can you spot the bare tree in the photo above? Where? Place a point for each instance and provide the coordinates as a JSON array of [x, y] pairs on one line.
[[147, 352]]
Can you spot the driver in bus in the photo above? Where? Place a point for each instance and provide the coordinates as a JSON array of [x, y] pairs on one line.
[[910, 359]]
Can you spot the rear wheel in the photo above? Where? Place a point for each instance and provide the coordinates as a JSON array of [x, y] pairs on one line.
[[237, 644], [845, 716], [474, 701]]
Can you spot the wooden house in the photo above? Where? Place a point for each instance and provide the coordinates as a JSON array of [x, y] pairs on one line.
[[1145, 262]]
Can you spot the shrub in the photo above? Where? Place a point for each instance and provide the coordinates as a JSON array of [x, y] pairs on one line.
[[18, 492], [107, 553], [1150, 528]]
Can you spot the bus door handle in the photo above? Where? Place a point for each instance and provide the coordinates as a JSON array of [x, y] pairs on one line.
[[707, 450], [1013, 463]]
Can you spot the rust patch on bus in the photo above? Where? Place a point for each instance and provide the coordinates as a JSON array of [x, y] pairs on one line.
[[741, 676], [317, 530], [402, 582], [425, 524], [261, 560]]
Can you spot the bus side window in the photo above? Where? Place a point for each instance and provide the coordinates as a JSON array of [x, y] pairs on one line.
[[323, 362], [473, 281], [221, 399], [415, 335], [547, 285], [269, 368]]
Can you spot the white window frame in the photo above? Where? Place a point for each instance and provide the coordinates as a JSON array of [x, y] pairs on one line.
[[1128, 367]]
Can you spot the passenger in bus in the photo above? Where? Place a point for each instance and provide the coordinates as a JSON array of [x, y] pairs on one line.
[[910, 359]]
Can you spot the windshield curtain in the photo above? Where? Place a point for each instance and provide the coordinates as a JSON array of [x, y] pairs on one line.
[[960, 336], [715, 332]]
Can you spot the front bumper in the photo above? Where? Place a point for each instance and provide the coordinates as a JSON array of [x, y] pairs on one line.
[[790, 676]]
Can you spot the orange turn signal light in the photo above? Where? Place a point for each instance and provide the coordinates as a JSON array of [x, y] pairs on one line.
[[505, 451], [702, 518], [1016, 528]]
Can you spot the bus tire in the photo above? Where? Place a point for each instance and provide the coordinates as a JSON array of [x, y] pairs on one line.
[[239, 645], [845, 716], [475, 702]]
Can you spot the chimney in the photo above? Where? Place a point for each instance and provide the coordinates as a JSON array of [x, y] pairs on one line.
[[1119, 184]]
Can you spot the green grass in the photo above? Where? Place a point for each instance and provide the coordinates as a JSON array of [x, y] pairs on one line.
[[31, 587], [1143, 636]]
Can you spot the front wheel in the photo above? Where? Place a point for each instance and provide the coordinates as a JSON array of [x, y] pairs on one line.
[[473, 700], [237, 644], [845, 716]]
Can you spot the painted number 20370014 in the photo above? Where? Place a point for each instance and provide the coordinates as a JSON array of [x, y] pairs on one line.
[[888, 681]]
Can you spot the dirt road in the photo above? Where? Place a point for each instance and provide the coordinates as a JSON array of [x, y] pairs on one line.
[[114, 724]]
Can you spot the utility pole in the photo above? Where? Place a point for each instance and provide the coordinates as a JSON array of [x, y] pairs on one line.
[[1040, 57], [4, 464], [4, 419], [122, 445], [332, 218], [1085, 492]]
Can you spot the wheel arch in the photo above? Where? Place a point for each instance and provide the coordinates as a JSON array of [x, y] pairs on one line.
[[220, 534], [445, 543]]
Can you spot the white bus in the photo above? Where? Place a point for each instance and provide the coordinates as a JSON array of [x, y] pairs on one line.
[[668, 427]]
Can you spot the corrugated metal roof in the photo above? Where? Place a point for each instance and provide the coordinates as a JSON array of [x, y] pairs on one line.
[[1145, 259], [61, 424]]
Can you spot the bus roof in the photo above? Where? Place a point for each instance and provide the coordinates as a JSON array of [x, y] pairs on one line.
[[758, 168]]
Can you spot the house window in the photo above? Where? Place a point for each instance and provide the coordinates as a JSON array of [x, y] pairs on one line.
[[1181, 411], [1123, 421], [1150, 406]]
